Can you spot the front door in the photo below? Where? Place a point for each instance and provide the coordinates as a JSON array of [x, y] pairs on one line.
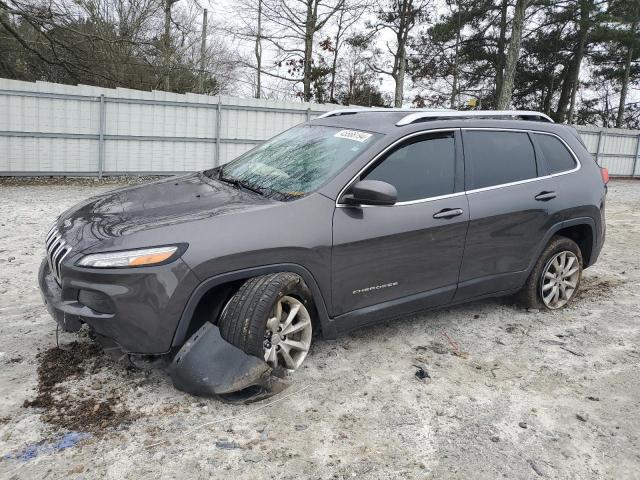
[[409, 252]]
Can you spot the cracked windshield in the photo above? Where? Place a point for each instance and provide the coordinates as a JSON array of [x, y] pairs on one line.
[[298, 161]]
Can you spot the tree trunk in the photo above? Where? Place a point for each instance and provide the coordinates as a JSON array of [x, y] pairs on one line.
[[625, 81], [572, 104], [334, 62], [512, 55], [454, 89], [399, 78], [546, 105], [166, 44], [565, 90], [308, 50], [203, 52], [501, 42], [258, 50]]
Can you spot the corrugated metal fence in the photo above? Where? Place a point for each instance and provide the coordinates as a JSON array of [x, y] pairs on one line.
[[54, 129], [614, 148]]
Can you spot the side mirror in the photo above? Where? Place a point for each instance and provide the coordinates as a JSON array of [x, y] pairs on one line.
[[371, 192]]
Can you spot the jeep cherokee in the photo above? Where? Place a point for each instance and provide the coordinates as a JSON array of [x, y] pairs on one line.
[[352, 218]]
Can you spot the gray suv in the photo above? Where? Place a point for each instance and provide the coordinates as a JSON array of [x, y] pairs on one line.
[[355, 217]]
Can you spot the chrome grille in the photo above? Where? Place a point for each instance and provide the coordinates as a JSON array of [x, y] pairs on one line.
[[57, 250]]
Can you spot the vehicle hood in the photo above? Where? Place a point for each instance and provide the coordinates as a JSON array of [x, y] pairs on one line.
[[154, 205]]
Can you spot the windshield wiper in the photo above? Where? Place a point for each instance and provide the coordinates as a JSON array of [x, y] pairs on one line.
[[239, 183]]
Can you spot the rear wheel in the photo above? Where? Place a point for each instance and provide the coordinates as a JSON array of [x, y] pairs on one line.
[[270, 317], [556, 276]]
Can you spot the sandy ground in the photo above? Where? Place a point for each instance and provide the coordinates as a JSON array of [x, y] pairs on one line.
[[533, 394]]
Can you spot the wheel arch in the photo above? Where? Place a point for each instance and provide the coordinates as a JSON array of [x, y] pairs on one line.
[[581, 230], [215, 291], [583, 235]]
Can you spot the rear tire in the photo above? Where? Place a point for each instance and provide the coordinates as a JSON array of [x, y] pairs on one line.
[[270, 317], [555, 278]]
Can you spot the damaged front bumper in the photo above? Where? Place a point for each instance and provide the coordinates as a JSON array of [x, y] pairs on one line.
[[208, 365], [138, 308], [68, 313]]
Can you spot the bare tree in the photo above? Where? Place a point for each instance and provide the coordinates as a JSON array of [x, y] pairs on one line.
[[398, 17], [348, 16], [112, 43], [296, 23], [250, 29]]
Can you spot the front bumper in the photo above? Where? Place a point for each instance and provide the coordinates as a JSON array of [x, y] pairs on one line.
[[146, 303]]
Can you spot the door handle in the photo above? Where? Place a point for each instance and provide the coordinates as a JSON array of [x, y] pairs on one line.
[[448, 213], [545, 196]]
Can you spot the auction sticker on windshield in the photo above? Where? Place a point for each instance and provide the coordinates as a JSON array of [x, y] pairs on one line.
[[353, 135]]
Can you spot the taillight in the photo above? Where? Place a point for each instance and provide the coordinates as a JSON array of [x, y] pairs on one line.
[[604, 171]]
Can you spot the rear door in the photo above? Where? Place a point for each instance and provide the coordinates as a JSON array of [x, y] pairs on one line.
[[415, 246], [511, 204]]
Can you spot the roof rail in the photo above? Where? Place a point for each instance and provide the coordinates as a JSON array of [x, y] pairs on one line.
[[438, 114], [350, 111]]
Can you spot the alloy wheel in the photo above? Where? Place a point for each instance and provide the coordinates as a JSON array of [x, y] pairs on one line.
[[560, 279], [288, 335]]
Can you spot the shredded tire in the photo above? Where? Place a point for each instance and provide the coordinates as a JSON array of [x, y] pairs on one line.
[[244, 319]]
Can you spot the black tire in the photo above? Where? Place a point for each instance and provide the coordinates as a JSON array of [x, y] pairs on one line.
[[243, 321], [530, 296]]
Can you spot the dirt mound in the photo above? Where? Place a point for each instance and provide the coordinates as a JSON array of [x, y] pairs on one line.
[[62, 407], [597, 288]]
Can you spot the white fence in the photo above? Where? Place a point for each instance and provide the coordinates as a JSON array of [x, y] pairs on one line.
[[614, 148], [54, 129]]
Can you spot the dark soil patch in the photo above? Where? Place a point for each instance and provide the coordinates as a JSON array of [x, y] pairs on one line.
[[57, 364], [62, 408]]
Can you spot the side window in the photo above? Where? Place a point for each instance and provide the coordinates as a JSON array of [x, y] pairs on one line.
[[497, 157], [558, 158], [421, 169]]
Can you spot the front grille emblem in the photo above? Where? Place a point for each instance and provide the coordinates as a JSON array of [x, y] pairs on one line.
[[57, 250]]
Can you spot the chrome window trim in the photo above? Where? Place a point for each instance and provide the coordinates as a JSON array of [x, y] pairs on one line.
[[464, 192], [528, 180]]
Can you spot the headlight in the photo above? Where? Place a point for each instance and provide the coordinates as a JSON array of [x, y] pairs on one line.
[[129, 258]]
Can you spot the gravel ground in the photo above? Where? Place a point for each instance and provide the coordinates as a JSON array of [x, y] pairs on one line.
[[516, 394]]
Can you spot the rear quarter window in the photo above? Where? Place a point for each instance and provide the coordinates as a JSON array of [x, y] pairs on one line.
[[555, 153], [498, 157]]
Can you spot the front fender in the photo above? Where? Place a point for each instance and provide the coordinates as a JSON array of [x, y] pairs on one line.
[[327, 326]]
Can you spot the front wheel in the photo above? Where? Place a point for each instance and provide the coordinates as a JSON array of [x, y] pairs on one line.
[[270, 317], [555, 278]]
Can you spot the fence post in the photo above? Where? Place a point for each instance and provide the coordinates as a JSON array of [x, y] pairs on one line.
[[308, 114], [635, 159], [218, 120], [598, 148], [101, 136]]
